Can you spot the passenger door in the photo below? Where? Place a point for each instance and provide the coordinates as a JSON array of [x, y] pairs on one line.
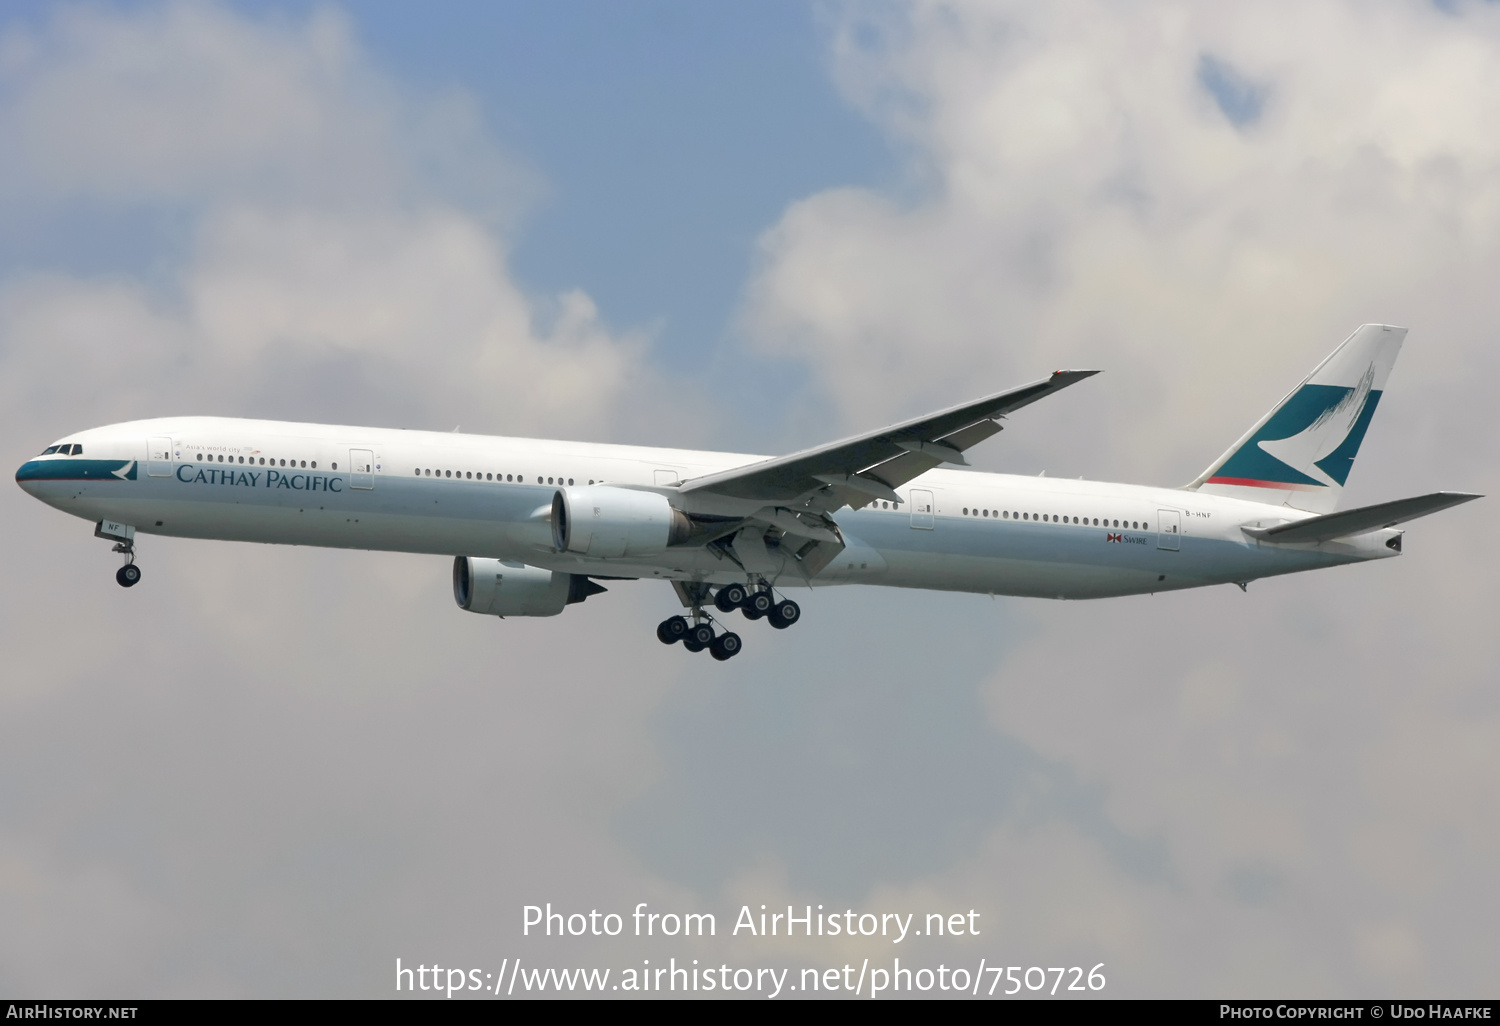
[[921, 509], [159, 456], [1168, 529], [361, 468]]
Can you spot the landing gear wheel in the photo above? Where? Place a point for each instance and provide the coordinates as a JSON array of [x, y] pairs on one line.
[[128, 575], [698, 637], [784, 613], [725, 646], [758, 604], [673, 628], [730, 598]]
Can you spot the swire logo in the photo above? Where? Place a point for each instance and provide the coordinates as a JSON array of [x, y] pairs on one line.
[[1114, 537]]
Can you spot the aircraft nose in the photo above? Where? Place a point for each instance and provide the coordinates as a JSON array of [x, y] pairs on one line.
[[29, 476]]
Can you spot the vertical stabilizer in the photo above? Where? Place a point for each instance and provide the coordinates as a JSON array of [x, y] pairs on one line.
[[1300, 453]]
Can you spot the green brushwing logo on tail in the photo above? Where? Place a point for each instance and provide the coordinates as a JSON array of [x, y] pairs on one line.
[[1309, 442]]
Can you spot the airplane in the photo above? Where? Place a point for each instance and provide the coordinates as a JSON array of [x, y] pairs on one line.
[[533, 525]]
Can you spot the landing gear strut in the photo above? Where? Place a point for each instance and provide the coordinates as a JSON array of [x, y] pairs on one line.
[[761, 604], [123, 536], [698, 633], [757, 601]]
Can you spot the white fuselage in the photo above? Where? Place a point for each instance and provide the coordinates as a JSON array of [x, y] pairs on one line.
[[474, 495]]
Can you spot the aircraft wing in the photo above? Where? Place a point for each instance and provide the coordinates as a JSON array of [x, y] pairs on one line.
[[873, 465], [1358, 521]]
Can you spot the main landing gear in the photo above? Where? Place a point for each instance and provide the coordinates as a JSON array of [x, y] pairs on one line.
[[698, 633], [697, 636]]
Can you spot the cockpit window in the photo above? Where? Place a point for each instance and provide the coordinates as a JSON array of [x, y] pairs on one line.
[[77, 448], [50, 450]]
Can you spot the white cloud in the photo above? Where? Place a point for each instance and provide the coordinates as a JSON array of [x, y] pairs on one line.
[[1078, 198], [332, 229], [272, 770], [251, 759], [1312, 764], [179, 102]]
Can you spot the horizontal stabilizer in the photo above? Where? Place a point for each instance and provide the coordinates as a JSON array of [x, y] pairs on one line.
[[1361, 520]]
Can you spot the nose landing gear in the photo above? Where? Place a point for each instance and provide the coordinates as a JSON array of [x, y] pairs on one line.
[[123, 535]]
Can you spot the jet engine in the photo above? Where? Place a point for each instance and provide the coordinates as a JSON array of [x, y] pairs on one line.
[[608, 523], [503, 587]]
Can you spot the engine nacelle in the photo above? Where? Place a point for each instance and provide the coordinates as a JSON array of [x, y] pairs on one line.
[[503, 587], [608, 523]]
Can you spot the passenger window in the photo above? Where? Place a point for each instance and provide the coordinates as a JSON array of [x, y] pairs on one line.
[[334, 466], [966, 511], [539, 479], [315, 464]]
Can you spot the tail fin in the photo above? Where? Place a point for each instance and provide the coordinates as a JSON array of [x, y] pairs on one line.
[[1300, 453]]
